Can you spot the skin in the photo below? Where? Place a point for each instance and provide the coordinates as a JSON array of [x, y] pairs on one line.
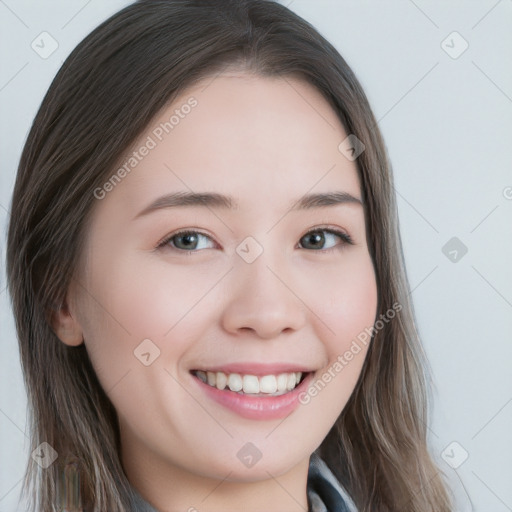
[[266, 142]]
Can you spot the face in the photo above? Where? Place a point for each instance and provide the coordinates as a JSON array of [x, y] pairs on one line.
[[252, 293]]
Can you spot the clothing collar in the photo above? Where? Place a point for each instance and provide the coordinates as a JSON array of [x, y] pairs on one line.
[[324, 492]]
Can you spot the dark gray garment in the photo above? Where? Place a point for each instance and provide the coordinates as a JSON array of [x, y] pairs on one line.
[[325, 494]]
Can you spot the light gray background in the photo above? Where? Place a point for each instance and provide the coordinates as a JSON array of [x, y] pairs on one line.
[[447, 123]]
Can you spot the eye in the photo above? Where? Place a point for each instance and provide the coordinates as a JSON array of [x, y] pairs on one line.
[[184, 241], [189, 241], [316, 238]]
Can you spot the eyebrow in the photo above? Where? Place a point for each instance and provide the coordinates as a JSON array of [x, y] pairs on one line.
[[215, 200]]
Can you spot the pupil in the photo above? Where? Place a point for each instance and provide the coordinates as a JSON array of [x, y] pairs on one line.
[[188, 238], [317, 238]]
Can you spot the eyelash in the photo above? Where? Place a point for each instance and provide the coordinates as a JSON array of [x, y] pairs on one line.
[[345, 237]]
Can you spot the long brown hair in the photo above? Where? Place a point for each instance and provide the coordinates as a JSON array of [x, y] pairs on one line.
[[104, 96]]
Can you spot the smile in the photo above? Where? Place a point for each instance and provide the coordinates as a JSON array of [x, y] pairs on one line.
[[271, 385], [266, 396]]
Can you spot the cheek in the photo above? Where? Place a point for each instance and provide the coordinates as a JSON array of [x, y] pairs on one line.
[[126, 304], [146, 298], [132, 299], [347, 301], [346, 317], [156, 297]]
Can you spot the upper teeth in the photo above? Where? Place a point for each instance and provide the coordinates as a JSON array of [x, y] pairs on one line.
[[270, 384]]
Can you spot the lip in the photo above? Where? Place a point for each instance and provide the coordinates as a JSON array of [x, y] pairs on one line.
[[258, 369], [255, 407]]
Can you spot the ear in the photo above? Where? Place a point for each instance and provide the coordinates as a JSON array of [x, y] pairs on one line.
[[66, 326]]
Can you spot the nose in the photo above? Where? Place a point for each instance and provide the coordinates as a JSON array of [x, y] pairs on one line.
[[263, 300]]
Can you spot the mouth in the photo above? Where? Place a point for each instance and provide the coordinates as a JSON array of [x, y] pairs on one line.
[[269, 385], [254, 390]]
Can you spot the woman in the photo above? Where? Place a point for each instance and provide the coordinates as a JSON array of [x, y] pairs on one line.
[[207, 278]]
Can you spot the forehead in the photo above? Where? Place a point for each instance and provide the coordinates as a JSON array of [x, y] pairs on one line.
[[242, 135]]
